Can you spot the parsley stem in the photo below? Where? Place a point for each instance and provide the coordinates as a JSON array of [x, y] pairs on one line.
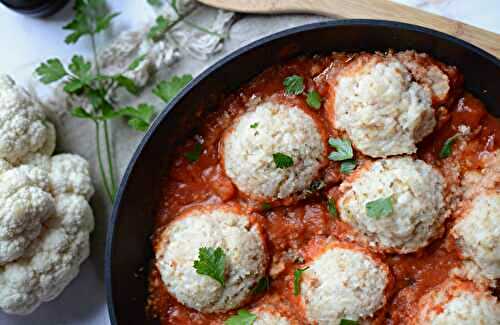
[[99, 158], [110, 159]]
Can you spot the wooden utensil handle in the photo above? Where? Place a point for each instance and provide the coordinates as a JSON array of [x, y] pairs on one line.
[[388, 10]]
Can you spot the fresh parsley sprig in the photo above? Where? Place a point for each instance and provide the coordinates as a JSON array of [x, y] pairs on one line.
[[379, 208], [211, 262], [244, 317], [297, 274], [84, 79]]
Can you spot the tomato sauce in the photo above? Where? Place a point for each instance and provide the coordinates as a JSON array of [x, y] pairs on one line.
[[296, 225]]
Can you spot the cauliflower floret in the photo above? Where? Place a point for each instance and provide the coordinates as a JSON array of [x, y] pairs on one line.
[[23, 125], [24, 205], [68, 173], [52, 261]]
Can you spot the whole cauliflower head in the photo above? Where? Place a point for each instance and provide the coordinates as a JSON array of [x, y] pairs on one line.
[[52, 259], [23, 125], [25, 203]]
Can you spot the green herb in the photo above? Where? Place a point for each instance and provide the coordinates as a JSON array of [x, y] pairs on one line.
[[347, 166], [348, 322], [84, 79], [159, 28], [296, 280], [244, 317], [167, 89], [211, 262], [331, 207], [343, 147], [294, 85], [265, 206], [262, 286], [314, 99], [138, 117], [51, 71], [316, 185], [379, 208], [446, 149], [91, 17], [282, 161], [254, 125], [155, 3], [194, 154], [136, 62]]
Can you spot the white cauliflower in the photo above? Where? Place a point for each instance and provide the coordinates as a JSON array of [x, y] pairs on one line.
[[44, 209], [24, 128], [25, 204], [52, 260]]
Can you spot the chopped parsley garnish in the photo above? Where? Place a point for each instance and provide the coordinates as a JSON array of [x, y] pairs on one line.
[[211, 262], [254, 125], [379, 208], [332, 207], [296, 280], [446, 149], [262, 286], [194, 154], [347, 166], [244, 317], [348, 322], [294, 85], [344, 149], [282, 161], [313, 99], [265, 206]]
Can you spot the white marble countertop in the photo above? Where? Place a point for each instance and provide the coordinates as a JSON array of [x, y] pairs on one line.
[[29, 41]]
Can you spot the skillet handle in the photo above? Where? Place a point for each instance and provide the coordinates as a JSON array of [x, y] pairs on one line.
[[388, 10]]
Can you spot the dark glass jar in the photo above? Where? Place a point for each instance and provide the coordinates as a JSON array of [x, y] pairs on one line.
[[38, 8]]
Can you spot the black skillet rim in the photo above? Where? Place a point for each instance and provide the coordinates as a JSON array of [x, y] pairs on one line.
[[216, 66]]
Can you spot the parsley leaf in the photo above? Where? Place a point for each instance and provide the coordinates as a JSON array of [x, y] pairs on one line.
[[296, 280], [254, 125], [81, 68], [348, 322], [347, 166], [331, 207], [379, 208], [136, 62], [266, 206], [91, 17], [446, 149], [313, 99], [344, 149], [138, 118], [263, 285], [51, 71], [294, 85], [211, 262], [127, 83], [194, 154], [167, 89], [244, 317], [81, 113], [159, 28], [282, 161]]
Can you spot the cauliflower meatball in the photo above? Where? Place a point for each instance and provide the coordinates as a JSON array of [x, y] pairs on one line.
[[23, 126], [415, 192], [25, 204], [457, 302], [250, 150], [380, 108], [343, 282], [240, 237], [478, 233]]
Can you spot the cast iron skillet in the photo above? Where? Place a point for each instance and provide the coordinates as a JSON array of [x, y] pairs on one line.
[[128, 246]]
